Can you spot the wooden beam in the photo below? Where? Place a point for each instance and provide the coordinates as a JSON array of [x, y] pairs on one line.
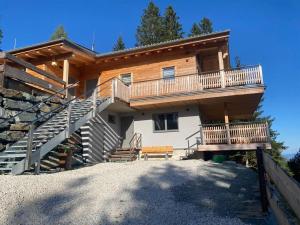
[[66, 74], [21, 75], [42, 60], [28, 65]]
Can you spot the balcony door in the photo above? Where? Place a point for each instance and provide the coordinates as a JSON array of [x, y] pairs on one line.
[[90, 85]]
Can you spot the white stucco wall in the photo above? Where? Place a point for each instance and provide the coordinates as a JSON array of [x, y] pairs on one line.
[[188, 123]]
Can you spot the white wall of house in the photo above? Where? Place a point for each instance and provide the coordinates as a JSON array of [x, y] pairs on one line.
[[188, 123]]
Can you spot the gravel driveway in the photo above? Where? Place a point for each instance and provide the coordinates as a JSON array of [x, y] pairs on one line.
[[151, 192]]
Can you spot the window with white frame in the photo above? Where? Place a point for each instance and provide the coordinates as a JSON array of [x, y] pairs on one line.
[[168, 72], [126, 78], [165, 121]]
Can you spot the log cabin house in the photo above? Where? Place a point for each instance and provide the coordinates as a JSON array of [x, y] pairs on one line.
[[181, 93]]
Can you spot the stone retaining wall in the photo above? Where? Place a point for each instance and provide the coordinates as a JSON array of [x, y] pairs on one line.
[[13, 102]]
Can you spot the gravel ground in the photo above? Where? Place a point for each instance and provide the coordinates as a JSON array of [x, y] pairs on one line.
[[151, 192]]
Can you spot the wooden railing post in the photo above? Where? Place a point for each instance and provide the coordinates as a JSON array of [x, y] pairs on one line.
[[29, 147], [262, 179], [268, 132], [228, 133], [260, 74], [113, 90], [203, 142]]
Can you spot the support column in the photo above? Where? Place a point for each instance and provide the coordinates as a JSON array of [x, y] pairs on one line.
[[221, 68], [66, 75], [262, 179], [226, 118]]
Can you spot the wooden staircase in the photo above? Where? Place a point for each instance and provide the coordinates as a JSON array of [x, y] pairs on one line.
[[124, 155], [128, 154]]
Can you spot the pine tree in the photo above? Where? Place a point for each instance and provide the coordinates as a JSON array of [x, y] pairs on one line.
[[205, 26], [59, 33], [172, 27], [195, 30], [150, 30], [119, 45], [277, 146]]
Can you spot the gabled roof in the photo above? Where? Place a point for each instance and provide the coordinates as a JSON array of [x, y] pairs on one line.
[[92, 53], [165, 43], [52, 42]]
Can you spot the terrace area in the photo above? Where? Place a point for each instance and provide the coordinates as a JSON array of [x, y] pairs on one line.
[[195, 88]]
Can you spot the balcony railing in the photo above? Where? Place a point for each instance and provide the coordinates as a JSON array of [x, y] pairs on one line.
[[239, 133], [228, 135], [197, 82]]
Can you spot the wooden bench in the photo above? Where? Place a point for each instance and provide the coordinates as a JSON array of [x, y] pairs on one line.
[[157, 150]]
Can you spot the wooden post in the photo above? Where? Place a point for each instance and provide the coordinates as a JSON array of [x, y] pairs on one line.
[[113, 91], [29, 147], [260, 74], [221, 68], [2, 74], [226, 118], [202, 136], [66, 75], [262, 179]]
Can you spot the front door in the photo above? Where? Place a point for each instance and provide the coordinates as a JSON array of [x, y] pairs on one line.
[[127, 130]]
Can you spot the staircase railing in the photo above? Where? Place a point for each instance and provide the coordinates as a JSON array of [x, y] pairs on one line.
[[135, 142], [69, 126]]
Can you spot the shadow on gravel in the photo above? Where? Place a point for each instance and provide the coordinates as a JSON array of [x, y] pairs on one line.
[[52, 208], [217, 196]]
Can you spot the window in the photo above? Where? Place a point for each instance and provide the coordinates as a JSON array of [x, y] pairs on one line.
[[111, 119], [165, 121], [168, 72], [126, 78]]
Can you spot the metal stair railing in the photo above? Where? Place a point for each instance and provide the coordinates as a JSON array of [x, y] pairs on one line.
[[31, 124], [135, 143], [35, 157]]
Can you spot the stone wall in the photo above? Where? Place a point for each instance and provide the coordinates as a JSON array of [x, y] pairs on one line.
[[13, 102]]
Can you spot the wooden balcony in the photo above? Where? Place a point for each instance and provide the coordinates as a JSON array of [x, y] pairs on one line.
[[193, 87], [235, 136]]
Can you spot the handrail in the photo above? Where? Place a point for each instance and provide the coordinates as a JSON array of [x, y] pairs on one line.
[[201, 73], [232, 123], [192, 135], [43, 101]]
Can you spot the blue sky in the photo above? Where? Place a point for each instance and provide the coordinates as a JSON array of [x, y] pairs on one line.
[[262, 32]]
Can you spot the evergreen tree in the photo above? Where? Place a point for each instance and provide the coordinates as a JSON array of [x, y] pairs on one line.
[[119, 45], [195, 30], [277, 146], [172, 27], [150, 30], [294, 165], [205, 26], [59, 33]]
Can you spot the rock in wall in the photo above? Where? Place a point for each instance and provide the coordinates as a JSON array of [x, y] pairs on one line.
[[12, 103]]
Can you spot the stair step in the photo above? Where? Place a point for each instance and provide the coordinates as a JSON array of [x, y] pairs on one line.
[[12, 156], [9, 162], [52, 164], [5, 169]]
